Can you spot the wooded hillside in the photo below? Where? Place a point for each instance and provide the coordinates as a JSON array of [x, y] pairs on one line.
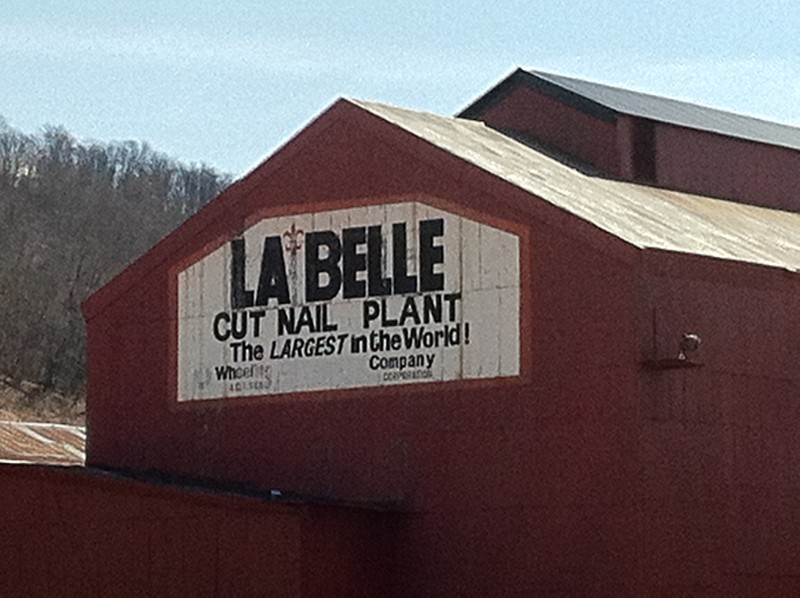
[[72, 215]]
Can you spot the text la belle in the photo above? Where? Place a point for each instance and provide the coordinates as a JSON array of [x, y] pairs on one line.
[[334, 263]]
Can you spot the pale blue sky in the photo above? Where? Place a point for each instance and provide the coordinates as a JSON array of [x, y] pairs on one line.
[[226, 83]]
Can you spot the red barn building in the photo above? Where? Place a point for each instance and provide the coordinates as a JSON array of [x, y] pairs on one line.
[[546, 347]]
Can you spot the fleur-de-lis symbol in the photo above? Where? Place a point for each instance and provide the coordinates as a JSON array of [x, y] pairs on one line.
[[293, 239]]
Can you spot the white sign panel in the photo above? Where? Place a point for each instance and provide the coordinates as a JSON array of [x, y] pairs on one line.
[[357, 297]]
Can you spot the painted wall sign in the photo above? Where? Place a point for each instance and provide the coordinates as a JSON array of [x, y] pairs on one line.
[[358, 297]]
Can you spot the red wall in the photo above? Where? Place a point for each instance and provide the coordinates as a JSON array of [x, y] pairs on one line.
[[76, 533], [531, 458], [711, 164], [686, 159], [719, 444], [590, 474], [557, 125]]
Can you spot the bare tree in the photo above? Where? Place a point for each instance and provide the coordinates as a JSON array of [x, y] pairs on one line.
[[72, 214]]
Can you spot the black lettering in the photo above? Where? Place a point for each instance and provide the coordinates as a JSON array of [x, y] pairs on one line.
[[322, 318], [239, 327], [306, 320], [403, 283], [452, 300], [328, 265], [430, 255], [413, 337], [386, 321], [286, 321], [358, 344], [224, 372], [222, 335], [353, 262], [256, 316], [272, 281], [432, 309], [378, 284], [240, 297], [409, 311], [371, 311], [297, 348], [244, 351], [342, 338]]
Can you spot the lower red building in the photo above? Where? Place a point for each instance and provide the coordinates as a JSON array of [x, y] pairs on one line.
[[412, 355]]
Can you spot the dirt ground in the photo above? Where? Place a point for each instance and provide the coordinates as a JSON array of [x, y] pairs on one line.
[[29, 402]]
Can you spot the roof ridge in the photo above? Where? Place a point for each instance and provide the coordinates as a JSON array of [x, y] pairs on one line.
[[637, 214], [606, 102], [557, 79]]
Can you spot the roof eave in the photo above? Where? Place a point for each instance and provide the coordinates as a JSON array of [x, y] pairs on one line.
[[522, 78]]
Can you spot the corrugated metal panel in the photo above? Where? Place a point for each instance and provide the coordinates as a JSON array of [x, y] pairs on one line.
[[643, 216], [677, 112], [58, 444]]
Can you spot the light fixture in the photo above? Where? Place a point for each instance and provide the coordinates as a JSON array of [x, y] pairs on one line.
[[690, 342]]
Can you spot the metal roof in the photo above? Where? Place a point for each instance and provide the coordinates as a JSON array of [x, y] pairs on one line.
[[598, 99], [25, 442], [643, 216]]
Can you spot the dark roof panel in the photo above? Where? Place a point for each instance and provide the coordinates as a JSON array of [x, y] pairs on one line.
[[602, 100]]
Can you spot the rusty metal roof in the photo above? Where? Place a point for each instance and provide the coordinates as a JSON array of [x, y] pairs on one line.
[[606, 102], [57, 444], [643, 216]]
